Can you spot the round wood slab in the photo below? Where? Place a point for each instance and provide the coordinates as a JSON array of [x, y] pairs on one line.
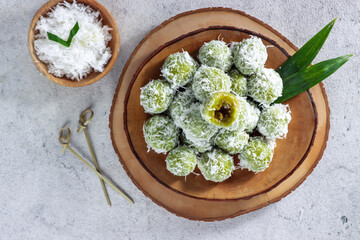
[[198, 199]]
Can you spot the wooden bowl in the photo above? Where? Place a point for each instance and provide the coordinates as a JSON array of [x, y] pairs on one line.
[[196, 198], [114, 44]]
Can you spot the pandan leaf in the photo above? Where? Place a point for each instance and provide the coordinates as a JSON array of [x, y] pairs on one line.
[[306, 54], [67, 43], [309, 77], [57, 39]]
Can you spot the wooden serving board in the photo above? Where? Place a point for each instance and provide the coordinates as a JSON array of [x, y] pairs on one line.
[[198, 199]]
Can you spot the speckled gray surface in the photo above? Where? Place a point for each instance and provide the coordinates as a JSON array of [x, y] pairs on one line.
[[46, 195]]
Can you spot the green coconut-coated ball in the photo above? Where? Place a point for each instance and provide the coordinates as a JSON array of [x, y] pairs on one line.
[[216, 54], [265, 86], [208, 80], [181, 101], [256, 155], [274, 120], [252, 117], [179, 69], [221, 109], [181, 161], [161, 134], [156, 96], [199, 145], [238, 82], [231, 140], [250, 55], [194, 126], [216, 165], [243, 115]]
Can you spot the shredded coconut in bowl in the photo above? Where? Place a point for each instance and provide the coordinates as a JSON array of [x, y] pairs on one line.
[[88, 51]]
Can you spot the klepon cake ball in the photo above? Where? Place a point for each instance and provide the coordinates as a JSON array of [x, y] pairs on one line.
[[161, 134], [181, 101], [274, 120], [238, 82], [250, 55], [181, 161], [156, 96], [221, 109], [231, 140], [179, 69], [199, 145], [253, 114], [195, 127], [256, 155], [216, 165], [208, 80], [216, 54], [265, 86]]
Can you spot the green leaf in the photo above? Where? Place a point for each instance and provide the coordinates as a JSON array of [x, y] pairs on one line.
[[73, 32], [67, 43], [309, 77], [57, 39], [306, 54]]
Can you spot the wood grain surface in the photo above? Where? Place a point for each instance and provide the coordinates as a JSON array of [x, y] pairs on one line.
[[198, 199]]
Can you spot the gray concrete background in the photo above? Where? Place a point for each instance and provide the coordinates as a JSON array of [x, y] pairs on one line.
[[46, 195]]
